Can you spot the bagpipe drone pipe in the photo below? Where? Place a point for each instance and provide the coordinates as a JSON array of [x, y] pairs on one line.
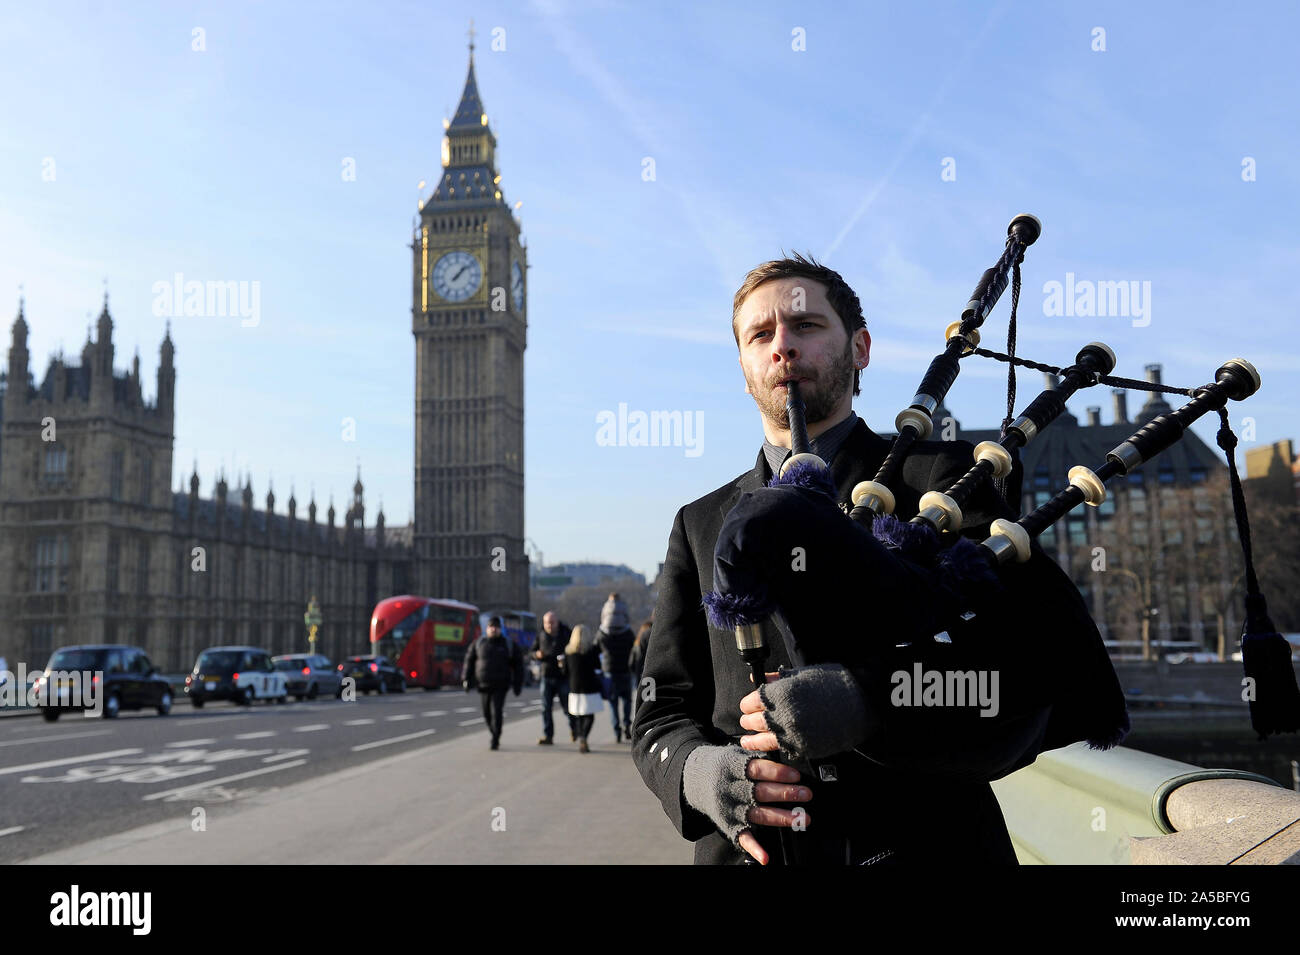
[[888, 594]]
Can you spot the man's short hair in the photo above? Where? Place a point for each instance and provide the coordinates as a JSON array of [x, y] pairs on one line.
[[842, 298]]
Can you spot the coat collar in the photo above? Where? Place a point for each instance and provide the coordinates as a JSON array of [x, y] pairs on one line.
[[858, 459]]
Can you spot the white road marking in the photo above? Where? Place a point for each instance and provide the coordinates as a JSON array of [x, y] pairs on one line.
[[71, 759], [434, 713], [51, 739], [357, 722], [288, 754], [470, 722], [207, 783], [467, 709], [401, 716], [395, 739], [11, 830], [312, 728], [192, 742], [260, 734], [516, 703]]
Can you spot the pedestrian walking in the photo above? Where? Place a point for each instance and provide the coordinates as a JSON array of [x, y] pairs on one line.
[[581, 664], [615, 638], [549, 649], [494, 665], [636, 661]]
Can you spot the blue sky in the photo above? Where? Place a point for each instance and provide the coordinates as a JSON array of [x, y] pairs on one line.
[[225, 164]]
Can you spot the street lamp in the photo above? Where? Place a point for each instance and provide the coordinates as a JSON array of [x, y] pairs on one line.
[[312, 618]]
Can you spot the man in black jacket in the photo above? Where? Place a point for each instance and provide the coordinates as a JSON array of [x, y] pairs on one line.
[[917, 788], [549, 649], [494, 664], [615, 639]]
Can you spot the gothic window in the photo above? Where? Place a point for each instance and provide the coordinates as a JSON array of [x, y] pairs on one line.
[[142, 570], [42, 637], [46, 564], [56, 465], [114, 556], [115, 477], [146, 477]]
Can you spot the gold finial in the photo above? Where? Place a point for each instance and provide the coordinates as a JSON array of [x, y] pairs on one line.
[[471, 38]]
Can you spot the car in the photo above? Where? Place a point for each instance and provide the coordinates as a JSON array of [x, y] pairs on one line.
[[373, 673], [240, 674], [123, 675], [309, 674]]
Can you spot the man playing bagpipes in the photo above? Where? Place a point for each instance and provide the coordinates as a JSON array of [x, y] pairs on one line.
[[865, 756]]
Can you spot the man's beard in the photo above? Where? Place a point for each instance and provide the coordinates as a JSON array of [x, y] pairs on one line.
[[820, 395]]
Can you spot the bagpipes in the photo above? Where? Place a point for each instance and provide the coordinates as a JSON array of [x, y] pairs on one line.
[[910, 561]]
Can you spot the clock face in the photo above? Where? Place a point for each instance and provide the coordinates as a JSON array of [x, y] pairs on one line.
[[457, 276], [517, 286]]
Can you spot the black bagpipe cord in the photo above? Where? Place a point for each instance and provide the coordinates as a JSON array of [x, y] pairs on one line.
[[1265, 653]]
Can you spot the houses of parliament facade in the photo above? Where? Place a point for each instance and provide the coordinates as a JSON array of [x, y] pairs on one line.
[[97, 547]]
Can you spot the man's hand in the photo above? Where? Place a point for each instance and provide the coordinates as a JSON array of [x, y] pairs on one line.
[[807, 713], [776, 786], [733, 788], [752, 707]]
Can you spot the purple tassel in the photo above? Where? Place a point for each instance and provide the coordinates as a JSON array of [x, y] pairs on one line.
[[917, 542], [728, 611], [963, 569], [807, 474], [1115, 737]]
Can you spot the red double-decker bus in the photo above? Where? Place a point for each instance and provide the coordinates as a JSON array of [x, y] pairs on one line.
[[426, 638]]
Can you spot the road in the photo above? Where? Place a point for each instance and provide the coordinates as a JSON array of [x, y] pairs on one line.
[[79, 779]]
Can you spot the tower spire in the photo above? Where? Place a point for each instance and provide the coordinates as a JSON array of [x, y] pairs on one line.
[[469, 113]]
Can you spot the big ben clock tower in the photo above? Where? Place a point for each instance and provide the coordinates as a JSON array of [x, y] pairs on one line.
[[469, 318]]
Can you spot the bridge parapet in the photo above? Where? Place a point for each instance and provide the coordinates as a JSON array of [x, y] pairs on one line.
[[1078, 806]]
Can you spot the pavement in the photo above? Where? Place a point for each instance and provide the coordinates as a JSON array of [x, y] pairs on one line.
[[455, 802]]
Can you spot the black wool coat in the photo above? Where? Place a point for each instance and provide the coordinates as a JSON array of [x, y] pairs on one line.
[[925, 793], [583, 671], [552, 648]]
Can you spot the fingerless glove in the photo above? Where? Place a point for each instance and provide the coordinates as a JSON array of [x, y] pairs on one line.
[[815, 711], [714, 783]]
